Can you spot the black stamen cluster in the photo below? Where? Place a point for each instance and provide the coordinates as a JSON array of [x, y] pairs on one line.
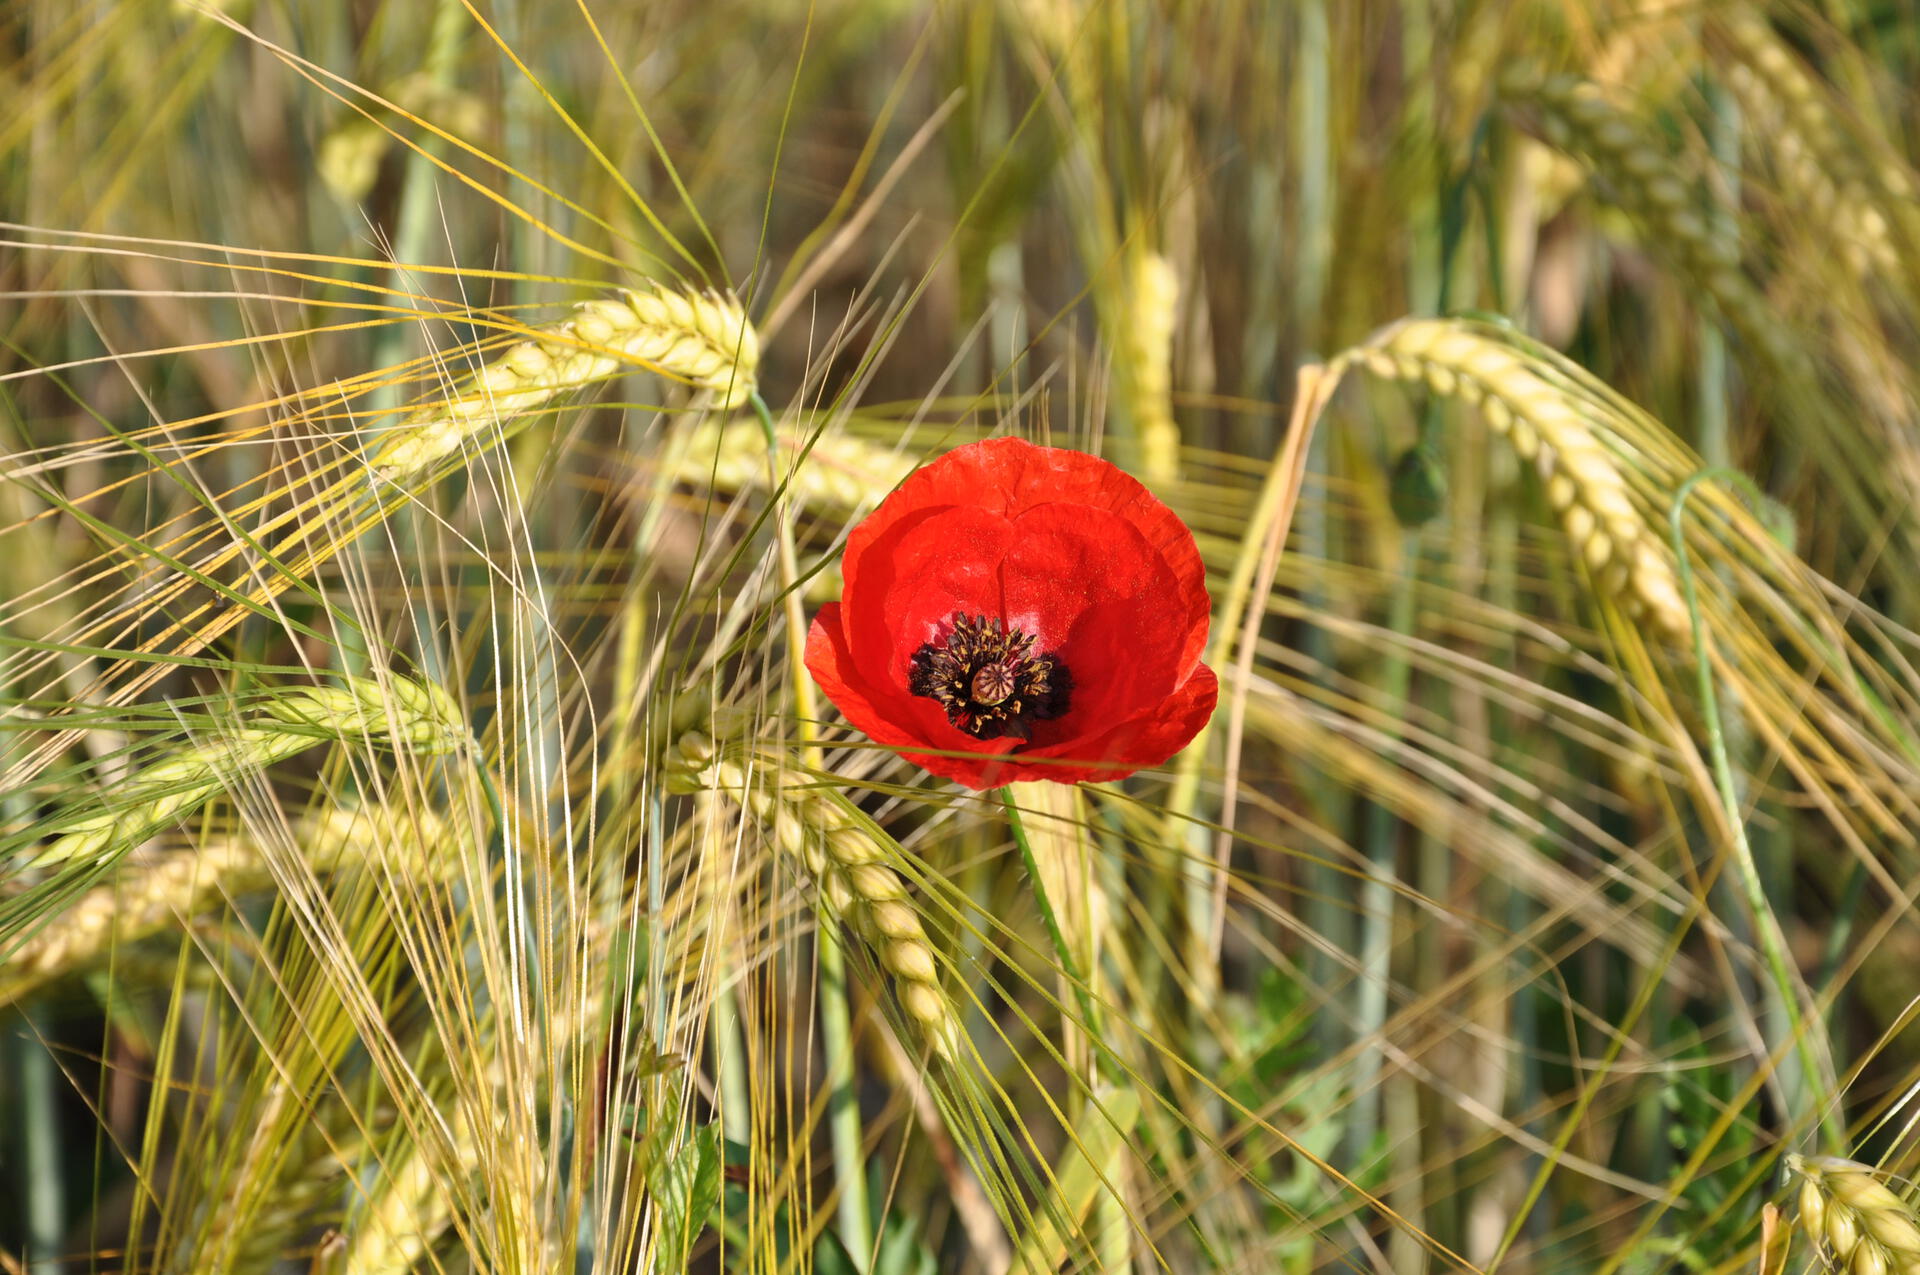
[[989, 680]]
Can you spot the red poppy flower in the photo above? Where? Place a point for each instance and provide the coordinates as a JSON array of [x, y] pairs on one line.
[[1031, 608]]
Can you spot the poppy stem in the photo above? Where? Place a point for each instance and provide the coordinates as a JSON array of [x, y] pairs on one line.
[[1089, 1012]]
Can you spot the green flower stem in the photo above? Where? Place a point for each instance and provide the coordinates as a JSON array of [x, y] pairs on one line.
[[836, 1019], [1766, 925]]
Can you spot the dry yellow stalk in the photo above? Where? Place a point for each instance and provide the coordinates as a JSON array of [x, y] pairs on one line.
[[1574, 115], [848, 863], [1860, 1226], [393, 712], [149, 897], [1153, 307], [703, 339], [1547, 427]]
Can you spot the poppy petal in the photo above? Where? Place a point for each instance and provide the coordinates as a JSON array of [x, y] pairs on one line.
[[924, 569], [886, 714], [1097, 595], [837, 673], [1149, 739], [1050, 547]]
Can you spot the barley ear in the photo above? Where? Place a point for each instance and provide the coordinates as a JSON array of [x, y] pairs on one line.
[[395, 712], [841, 472], [1552, 430], [849, 862], [147, 897], [1153, 305], [1860, 1226], [408, 1204], [1575, 116], [700, 338]]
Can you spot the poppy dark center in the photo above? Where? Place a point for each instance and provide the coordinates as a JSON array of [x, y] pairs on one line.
[[989, 680]]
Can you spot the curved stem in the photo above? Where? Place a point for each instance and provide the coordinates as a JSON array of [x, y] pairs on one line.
[[1766, 925]]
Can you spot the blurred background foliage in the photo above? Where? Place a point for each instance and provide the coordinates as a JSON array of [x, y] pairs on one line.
[[1521, 911]]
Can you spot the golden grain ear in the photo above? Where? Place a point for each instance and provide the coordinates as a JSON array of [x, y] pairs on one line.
[[702, 339], [848, 860], [148, 897], [1554, 431], [1859, 1225]]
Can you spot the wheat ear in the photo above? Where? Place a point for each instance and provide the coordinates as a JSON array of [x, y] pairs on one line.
[[1547, 427], [849, 862], [701, 338], [394, 712], [1861, 1227]]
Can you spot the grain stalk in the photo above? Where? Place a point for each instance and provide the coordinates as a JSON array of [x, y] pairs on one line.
[[1152, 312], [836, 1019]]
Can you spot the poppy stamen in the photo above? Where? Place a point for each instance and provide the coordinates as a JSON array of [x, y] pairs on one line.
[[989, 680], [994, 683]]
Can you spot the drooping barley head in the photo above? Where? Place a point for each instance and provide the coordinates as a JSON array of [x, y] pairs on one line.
[[701, 339], [1859, 1225]]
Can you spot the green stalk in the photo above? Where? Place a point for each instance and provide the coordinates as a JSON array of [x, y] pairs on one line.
[[1713, 430], [805, 706], [43, 1204], [843, 1102], [730, 1061], [1766, 924], [1327, 913], [1377, 895], [836, 1019]]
